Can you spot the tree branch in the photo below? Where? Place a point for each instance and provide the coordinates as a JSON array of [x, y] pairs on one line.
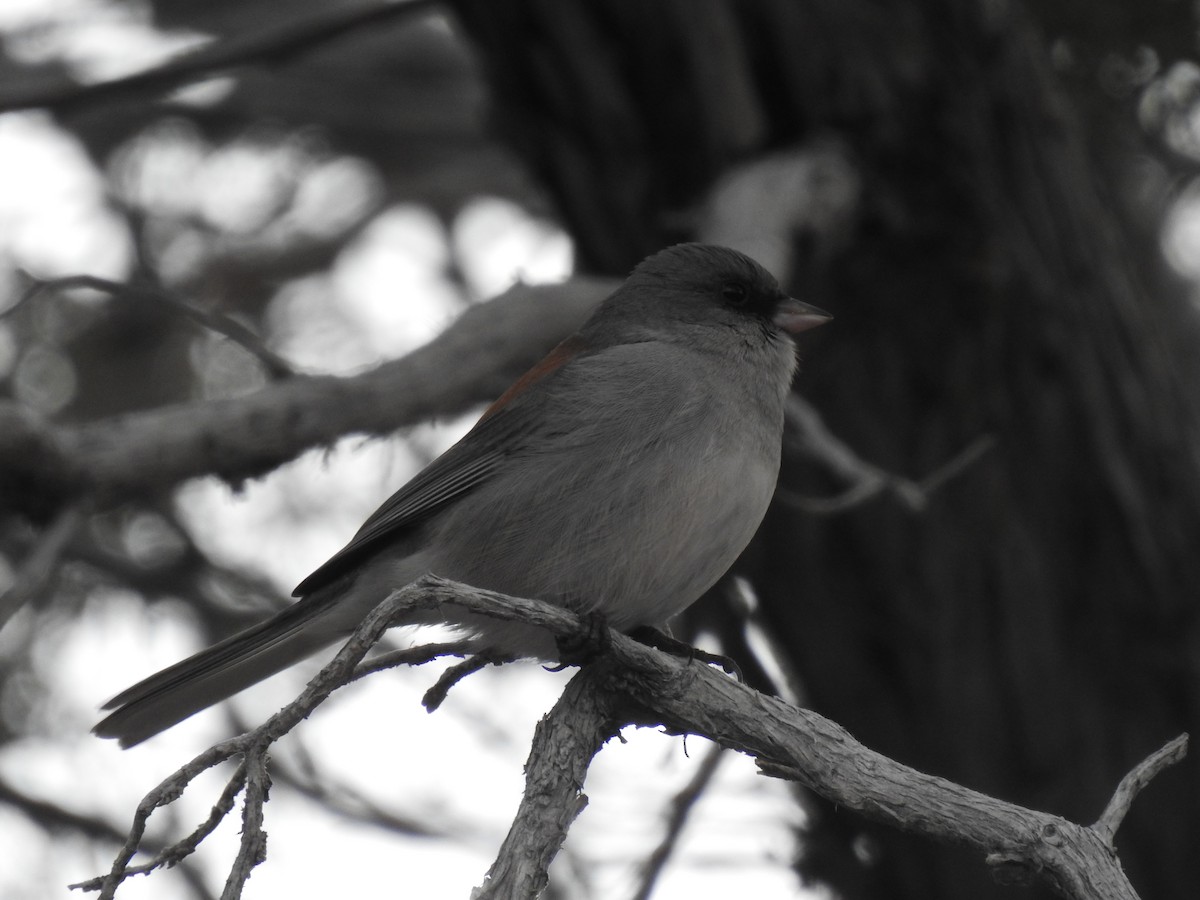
[[39, 566], [806, 432], [635, 684], [681, 807], [289, 38], [227, 326], [1133, 784], [252, 849], [564, 743], [55, 818], [251, 748], [44, 466], [692, 699], [352, 804], [470, 363]]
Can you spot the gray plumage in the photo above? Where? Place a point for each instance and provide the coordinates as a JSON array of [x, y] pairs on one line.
[[624, 475]]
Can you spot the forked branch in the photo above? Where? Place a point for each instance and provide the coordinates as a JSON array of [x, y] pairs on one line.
[[631, 684]]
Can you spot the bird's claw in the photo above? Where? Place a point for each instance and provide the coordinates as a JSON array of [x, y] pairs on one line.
[[659, 640], [592, 640]]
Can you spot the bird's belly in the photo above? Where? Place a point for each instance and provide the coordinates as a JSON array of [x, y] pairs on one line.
[[638, 541]]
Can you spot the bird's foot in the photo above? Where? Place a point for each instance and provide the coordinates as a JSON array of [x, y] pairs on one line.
[[660, 640], [592, 640]]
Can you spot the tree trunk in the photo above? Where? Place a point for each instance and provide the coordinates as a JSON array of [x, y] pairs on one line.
[[1032, 632]]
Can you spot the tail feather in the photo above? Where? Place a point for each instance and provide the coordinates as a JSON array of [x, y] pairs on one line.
[[179, 691]]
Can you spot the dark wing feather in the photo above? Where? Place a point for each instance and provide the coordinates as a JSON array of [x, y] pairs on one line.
[[468, 463], [504, 428]]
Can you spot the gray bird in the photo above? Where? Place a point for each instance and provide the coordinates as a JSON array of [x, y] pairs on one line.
[[622, 475]]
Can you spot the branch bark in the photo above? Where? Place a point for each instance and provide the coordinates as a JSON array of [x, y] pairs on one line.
[[563, 746], [472, 362], [631, 684]]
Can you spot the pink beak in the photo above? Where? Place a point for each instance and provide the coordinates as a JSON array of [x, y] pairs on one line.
[[794, 317]]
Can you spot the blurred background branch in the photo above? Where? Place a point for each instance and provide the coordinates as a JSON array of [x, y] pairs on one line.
[[273, 44]]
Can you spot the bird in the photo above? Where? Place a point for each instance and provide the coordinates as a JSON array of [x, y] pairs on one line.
[[621, 476]]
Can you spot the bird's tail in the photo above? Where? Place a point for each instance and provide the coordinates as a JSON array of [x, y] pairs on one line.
[[170, 696]]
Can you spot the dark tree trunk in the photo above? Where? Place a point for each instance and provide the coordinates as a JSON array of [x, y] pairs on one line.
[[1033, 633]]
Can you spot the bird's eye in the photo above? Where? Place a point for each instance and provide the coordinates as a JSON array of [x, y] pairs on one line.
[[735, 294]]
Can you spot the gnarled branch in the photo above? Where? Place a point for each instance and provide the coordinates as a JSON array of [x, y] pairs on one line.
[[631, 684]]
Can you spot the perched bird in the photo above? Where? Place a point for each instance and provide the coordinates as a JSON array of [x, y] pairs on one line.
[[622, 475]]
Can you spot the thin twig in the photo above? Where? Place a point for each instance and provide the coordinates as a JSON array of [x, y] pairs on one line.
[[289, 38], [808, 433], [409, 656], [436, 695], [227, 326], [167, 792], [54, 818], [681, 807], [957, 465], [1133, 783], [252, 749], [345, 800], [39, 566]]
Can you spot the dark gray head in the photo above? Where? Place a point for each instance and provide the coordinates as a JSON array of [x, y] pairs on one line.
[[702, 285]]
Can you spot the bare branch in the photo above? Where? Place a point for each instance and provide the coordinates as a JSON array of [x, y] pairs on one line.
[[564, 743], [343, 799], [807, 432], [275, 365], [436, 695], [472, 362], [289, 38], [1133, 784], [253, 847], [681, 807], [166, 792], [691, 698], [410, 656], [251, 772], [39, 566], [53, 817], [635, 684]]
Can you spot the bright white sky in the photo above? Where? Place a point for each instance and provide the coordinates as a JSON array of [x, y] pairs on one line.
[[385, 294]]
